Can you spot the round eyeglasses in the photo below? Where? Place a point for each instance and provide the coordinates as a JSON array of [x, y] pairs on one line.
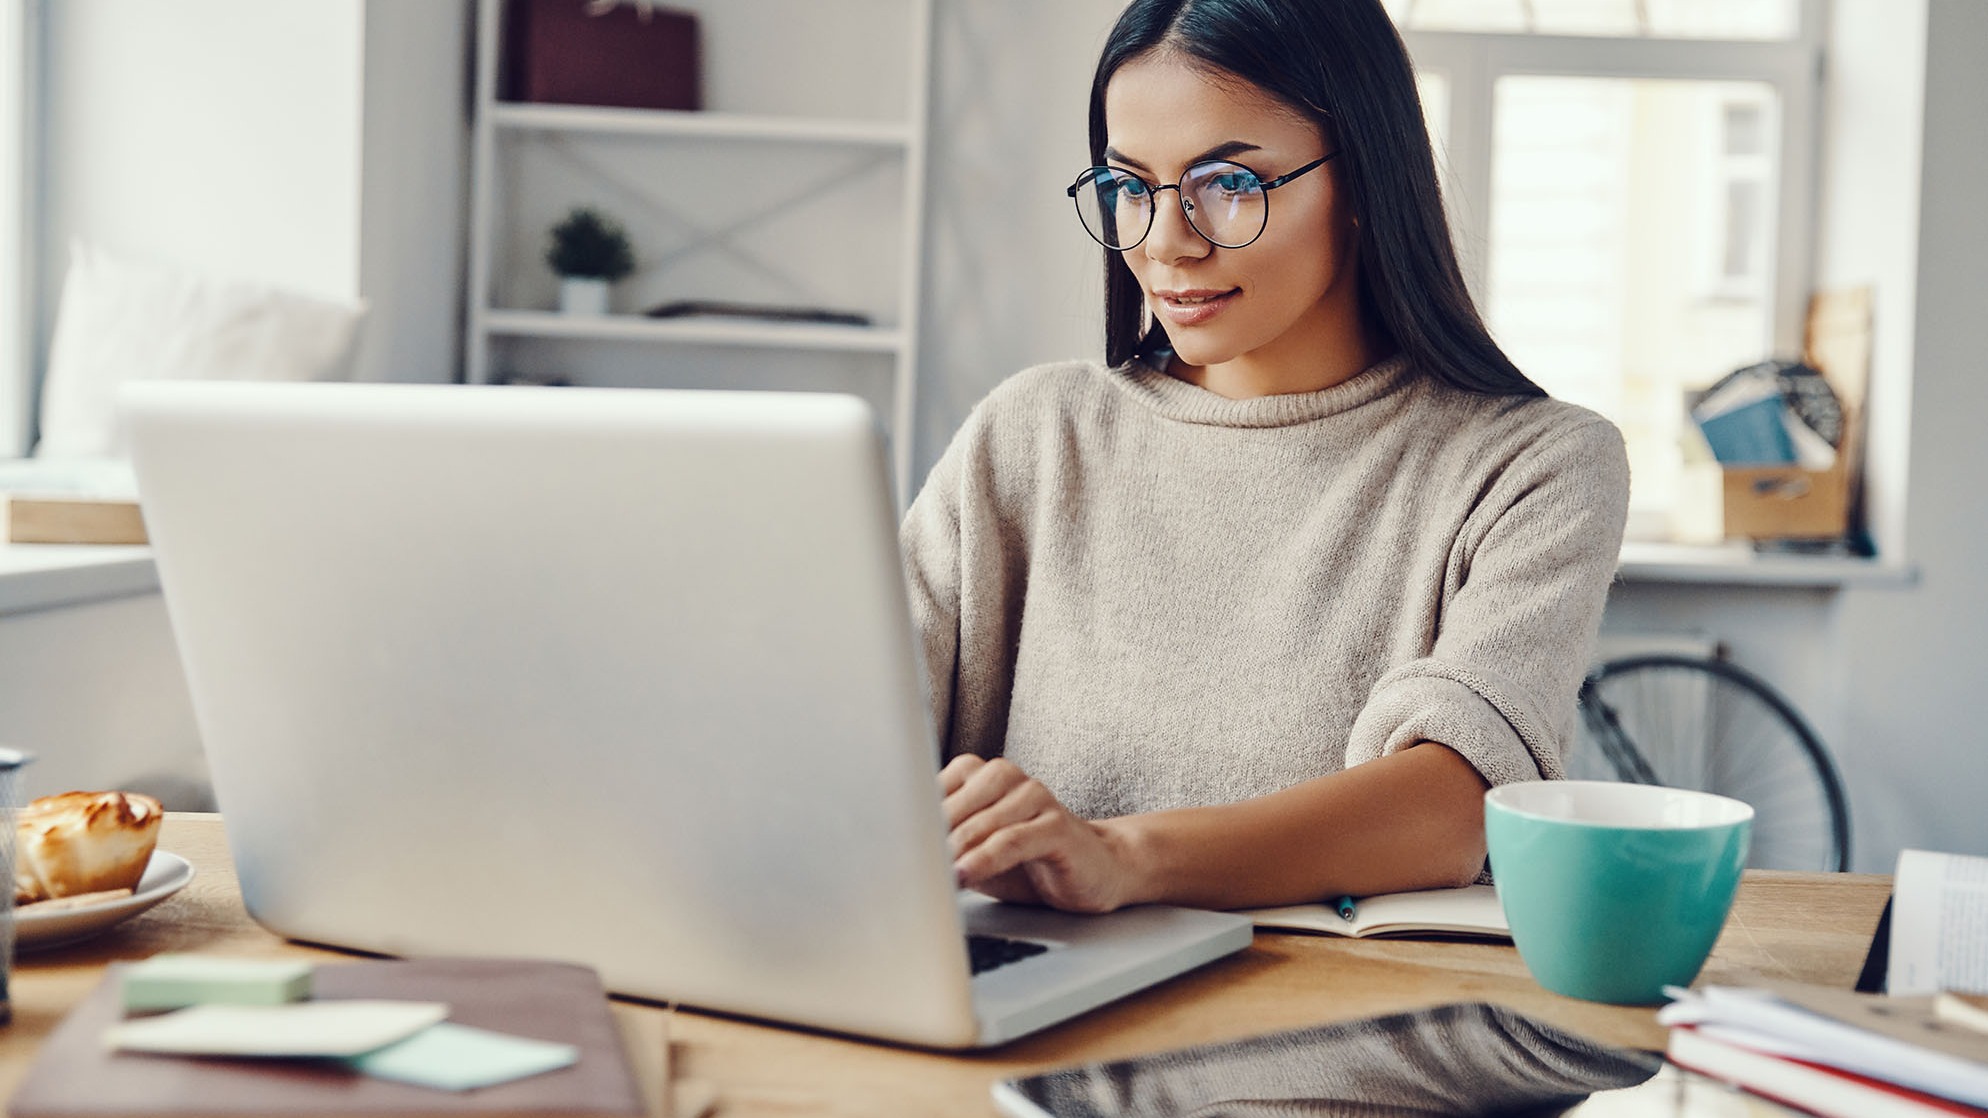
[[1225, 202]]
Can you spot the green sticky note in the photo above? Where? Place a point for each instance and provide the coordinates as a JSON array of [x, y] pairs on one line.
[[176, 981], [345, 1027], [460, 1058]]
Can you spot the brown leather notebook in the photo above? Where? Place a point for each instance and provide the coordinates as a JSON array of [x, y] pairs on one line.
[[75, 1075]]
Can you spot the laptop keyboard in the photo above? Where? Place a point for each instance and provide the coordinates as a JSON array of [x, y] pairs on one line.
[[987, 952]]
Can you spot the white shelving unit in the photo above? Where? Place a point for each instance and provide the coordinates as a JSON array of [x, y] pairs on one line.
[[722, 126], [801, 185]]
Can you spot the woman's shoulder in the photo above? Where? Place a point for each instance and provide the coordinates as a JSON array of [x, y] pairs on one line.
[[1546, 424], [996, 454], [1517, 444], [1024, 399], [1047, 384], [1571, 425]]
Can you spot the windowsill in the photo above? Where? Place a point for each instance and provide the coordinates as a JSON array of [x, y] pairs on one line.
[[45, 576], [1736, 564], [38, 576]]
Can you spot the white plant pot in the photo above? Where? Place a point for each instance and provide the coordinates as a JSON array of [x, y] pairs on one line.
[[582, 295]]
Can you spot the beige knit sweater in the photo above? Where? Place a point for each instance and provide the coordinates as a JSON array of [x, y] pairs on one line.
[[1150, 596]]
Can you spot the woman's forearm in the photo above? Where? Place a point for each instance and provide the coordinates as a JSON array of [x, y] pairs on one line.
[[1411, 820]]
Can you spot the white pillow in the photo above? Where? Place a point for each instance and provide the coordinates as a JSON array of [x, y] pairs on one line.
[[122, 320]]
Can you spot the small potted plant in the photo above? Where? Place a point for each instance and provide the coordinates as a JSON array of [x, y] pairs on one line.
[[588, 251]]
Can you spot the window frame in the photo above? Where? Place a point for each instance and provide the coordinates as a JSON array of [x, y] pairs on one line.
[[20, 40], [1471, 62]]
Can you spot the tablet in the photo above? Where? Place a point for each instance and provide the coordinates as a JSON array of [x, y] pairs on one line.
[[1471, 1058]]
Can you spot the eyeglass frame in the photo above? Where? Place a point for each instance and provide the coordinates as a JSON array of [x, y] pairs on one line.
[[1186, 211]]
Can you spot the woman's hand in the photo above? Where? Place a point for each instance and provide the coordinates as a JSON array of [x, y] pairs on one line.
[[1012, 840]]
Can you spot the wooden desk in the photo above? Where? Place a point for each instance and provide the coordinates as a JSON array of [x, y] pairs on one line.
[[1811, 927]]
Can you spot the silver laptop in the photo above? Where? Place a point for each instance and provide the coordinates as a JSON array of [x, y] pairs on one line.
[[623, 677]]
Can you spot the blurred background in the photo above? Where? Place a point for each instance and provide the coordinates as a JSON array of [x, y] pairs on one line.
[[867, 196]]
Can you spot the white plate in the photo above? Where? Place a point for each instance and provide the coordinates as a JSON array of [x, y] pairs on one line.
[[165, 875]]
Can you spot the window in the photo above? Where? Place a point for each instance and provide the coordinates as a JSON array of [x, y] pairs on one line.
[[16, 75], [1741, 182], [1677, 19], [1631, 183]]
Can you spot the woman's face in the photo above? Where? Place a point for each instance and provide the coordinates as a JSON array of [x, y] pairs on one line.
[[1276, 302]]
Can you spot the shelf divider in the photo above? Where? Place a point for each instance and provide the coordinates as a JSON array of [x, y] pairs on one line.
[[522, 117], [720, 330]]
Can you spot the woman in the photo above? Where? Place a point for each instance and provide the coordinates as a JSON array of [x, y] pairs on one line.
[[1255, 612]]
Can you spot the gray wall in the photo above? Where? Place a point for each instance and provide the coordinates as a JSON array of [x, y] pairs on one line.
[[413, 176], [1011, 279], [1912, 670]]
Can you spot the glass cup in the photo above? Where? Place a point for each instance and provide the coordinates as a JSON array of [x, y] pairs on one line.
[[1614, 891], [11, 761]]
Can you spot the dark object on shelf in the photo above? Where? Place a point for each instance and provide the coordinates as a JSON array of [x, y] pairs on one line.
[[631, 55], [1855, 545], [537, 380], [686, 307], [1812, 400]]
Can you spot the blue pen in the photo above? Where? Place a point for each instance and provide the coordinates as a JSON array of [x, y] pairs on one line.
[[1345, 907]]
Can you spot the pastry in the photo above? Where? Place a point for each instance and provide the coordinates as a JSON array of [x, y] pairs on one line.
[[83, 842]]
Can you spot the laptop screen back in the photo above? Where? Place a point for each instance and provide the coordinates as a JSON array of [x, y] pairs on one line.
[[624, 677]]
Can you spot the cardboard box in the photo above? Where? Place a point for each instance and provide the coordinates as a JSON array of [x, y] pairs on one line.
[[1788, 502], [628, 55]]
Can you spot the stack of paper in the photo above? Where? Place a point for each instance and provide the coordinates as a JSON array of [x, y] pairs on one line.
[[1921, 1050], [1749, 419], [1832, 1052]]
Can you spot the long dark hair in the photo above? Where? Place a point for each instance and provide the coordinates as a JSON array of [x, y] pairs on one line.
[[1341, 64]]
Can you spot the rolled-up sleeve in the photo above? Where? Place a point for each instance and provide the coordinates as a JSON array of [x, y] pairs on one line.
[[1529, 575]]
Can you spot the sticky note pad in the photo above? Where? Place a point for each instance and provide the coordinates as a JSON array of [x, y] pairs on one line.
[[345, 1027], [177, 981], [459, 1058]]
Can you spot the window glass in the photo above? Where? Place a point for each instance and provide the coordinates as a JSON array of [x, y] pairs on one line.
[[1434, 87], [1671, 19], [1630, 248]]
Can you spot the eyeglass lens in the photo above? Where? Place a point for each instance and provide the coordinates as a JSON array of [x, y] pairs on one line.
[[1224, 202]]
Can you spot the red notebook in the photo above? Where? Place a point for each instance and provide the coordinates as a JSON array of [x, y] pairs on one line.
[[74, 1075]]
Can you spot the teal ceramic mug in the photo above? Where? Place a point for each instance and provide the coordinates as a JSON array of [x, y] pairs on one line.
[[1614, 891]]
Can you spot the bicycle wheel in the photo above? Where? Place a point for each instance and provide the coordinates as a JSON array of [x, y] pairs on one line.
[[1687, 722]]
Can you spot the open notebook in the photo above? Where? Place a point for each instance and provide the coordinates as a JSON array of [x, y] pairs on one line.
[[1472, 910]]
